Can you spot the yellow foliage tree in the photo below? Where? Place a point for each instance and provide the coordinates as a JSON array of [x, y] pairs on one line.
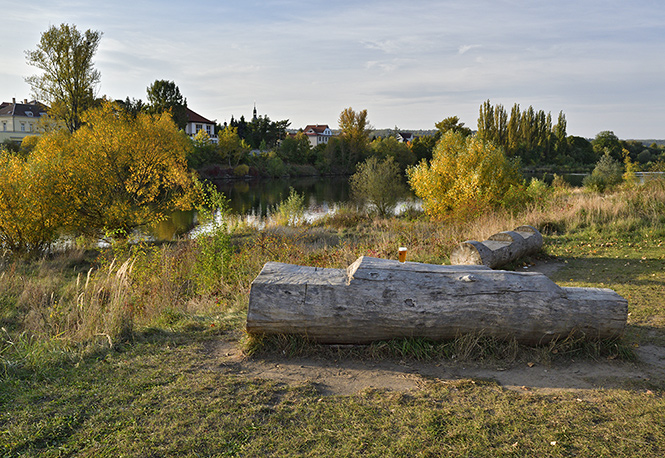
[[465, 177], [232, 147], [124, 171], [115, 173], [28, 219]]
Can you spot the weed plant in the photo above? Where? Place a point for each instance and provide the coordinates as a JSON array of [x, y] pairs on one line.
[[291, 211]]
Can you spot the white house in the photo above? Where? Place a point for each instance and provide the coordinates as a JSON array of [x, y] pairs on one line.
[[196, 122], [318, 134], [18, 120], [404, 137]]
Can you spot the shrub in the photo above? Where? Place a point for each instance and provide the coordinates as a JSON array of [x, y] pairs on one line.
[[214, 246], [644, 157], [559, 183], [271, 164], [379, 184], [30, 211], [116, 172], [466, 176], [538, 191], [608, 172], [241, 170], [292, 210]]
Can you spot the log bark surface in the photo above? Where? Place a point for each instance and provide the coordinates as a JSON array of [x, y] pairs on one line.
[[499, 249], [378, 299]]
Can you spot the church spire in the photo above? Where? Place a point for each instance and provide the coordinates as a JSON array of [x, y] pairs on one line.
[[254, 117]]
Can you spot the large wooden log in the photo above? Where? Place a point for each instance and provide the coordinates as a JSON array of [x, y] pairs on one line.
[[499, 249], [379, 299]]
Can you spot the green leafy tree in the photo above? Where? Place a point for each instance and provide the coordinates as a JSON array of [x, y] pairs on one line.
[[164, 96], [390, 147], [465, 177], [262, 131], [242, 128], [69, 79], [528, 134], [559, 130], [133, 106], [606, 141], [581, 150], [205, 151], [514, 129], [422, 147], [493, 124], [378, 183], [297, 149], [451, 123]]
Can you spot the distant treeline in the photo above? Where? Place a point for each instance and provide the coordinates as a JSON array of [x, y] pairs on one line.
[[531, 136]]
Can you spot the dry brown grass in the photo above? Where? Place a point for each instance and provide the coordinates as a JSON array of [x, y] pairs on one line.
[[72, 298]]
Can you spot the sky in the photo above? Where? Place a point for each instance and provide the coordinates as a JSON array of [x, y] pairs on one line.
[[410, 64]]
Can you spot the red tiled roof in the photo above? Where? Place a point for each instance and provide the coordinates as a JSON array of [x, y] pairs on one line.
[[195, 117], [317, 129]]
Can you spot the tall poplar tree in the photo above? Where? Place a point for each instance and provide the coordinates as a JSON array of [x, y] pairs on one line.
[[69, 79]]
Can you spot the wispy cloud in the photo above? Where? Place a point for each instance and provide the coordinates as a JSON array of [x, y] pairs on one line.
[[465, 48], [408, 64]]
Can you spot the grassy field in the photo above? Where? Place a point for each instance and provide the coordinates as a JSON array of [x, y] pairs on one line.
[[116, 361]]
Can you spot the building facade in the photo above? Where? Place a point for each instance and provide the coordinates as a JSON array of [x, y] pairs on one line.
[[18, 120], [318, 134], [196, 122]]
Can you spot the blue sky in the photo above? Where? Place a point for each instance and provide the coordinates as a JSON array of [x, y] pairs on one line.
[[409, 64]]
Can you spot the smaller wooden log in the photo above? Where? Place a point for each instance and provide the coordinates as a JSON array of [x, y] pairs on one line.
[[499, 249]]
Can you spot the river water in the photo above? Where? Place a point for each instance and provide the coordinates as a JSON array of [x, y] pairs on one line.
[[255, 199]]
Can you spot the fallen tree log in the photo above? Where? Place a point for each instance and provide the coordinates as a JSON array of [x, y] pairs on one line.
[[499, 249], [379, 299]]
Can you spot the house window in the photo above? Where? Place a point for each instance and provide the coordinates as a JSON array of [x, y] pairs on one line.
[[208, 130], [198, 127], [4, 126], [22, 127]]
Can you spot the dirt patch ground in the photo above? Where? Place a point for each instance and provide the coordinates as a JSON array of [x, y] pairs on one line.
[[348, 376]]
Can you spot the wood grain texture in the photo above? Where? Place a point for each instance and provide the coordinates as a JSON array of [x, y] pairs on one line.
[[378, 299]]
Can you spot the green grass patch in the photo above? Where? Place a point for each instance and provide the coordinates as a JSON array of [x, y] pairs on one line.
[[165, 398]]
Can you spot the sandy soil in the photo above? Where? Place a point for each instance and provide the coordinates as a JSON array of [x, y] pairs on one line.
[[345, 377]]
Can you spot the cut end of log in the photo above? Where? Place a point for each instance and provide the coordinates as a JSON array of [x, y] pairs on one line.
[[499, 249]]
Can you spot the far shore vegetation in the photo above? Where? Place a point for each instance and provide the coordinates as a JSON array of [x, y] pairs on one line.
[[105, 347]]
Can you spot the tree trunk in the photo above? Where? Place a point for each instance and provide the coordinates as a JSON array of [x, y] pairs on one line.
[[378, 299], [499, 249]]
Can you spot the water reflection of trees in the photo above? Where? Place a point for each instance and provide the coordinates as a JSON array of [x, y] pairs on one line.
[[256, 197]]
